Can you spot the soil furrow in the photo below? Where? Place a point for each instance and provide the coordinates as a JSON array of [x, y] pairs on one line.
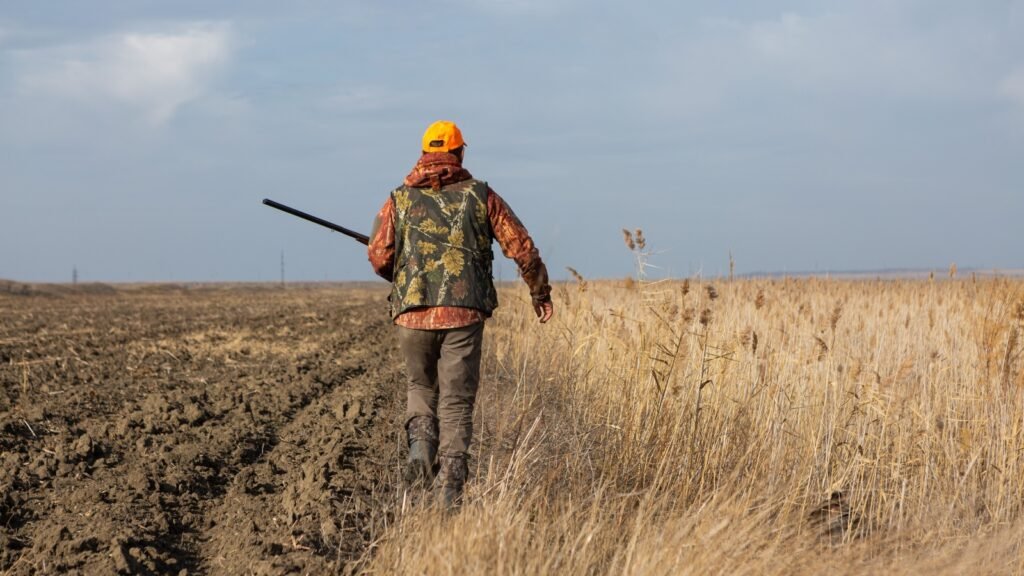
[[306, 506], [176, 406]]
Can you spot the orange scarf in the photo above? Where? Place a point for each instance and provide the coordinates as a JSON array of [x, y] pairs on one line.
[[436, 169]]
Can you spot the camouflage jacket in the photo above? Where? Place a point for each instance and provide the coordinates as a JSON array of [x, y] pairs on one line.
[[435, 170], [443, 253]]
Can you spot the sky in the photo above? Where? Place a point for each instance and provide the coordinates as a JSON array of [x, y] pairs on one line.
[[137, 138]]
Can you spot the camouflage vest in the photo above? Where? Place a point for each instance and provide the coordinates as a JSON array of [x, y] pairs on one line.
[[443, 248]]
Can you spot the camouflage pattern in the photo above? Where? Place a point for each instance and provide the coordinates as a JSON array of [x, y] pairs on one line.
[[453, 470], [422, 428], [443, 253], [419, 469], [451, 480]]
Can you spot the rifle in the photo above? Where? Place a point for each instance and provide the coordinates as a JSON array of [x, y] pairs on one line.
[[361, 238]]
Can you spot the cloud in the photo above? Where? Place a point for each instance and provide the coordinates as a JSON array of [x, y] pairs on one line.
[[857, 54], [1012, 87], [516, 7], [153, 72], [368, 99], [849, 53]]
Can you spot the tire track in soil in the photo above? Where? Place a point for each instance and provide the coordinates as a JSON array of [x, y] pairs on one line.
[[268, 468], [307, 505]]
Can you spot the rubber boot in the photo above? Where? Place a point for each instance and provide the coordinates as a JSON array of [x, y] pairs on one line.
[[451, 479], [420, 467], [422, 435]]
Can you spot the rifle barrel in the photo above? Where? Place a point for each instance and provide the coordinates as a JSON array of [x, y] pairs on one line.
[[361, 238]]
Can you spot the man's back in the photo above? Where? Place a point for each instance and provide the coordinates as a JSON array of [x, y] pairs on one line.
[[443, 251], [432, 240]]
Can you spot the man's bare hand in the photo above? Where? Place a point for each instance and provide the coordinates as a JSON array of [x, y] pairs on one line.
[[544, 311]]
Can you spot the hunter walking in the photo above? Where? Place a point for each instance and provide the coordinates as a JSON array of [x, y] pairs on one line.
[[432, 240]]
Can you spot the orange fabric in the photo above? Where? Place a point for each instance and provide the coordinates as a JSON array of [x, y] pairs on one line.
[[512, 237], [442, 136], [439, 318], [436, 169]]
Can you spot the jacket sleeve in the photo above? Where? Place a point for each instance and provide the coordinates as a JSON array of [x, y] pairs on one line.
[[516, 244], [381, 249]]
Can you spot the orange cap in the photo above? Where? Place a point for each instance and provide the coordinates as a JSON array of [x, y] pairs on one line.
[[442, 136]]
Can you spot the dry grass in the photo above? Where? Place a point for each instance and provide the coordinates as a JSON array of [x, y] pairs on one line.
[[743, 427]]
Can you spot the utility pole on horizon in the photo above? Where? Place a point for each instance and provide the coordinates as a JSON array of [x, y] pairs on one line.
[[74, 275]]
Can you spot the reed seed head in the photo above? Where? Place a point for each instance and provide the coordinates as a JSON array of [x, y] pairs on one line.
[[705, 317], [712, 293], [837, 313], [580, 280], [745, 336], [822, 348], [688, 315]]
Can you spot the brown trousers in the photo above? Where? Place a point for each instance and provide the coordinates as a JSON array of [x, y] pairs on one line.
[[444, 373]]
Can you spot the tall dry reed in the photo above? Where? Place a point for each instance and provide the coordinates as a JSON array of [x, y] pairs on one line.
[[745, 427]]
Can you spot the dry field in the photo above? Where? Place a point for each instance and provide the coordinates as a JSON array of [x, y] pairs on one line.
[[699, 427], [172, 431]]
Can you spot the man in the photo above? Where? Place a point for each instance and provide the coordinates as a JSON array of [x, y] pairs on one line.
[[432, 239]]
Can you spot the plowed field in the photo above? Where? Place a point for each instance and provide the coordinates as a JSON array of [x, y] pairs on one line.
[[207, 430]]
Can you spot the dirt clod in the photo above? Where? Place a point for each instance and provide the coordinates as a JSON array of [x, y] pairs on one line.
[[83, 446], [211, 430]]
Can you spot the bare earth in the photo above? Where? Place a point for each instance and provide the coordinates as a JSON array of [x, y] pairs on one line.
[[206, 430]]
